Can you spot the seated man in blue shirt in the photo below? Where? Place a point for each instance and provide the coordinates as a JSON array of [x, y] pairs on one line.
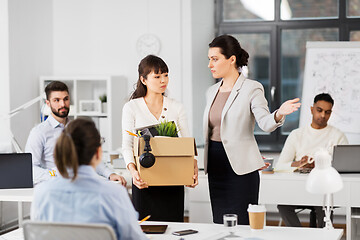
[[42, 138]]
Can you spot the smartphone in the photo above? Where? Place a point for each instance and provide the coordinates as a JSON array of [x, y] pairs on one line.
[[184, 232]]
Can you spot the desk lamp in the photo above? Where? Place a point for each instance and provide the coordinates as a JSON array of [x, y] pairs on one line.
[[324, 179], [16, 111]]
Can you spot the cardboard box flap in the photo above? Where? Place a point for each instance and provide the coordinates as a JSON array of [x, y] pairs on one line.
[[167, 146]]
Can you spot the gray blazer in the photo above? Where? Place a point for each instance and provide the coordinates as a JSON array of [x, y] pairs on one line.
[[246, 103]]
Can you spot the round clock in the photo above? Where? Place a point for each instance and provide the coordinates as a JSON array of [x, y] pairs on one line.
[[148, 44]]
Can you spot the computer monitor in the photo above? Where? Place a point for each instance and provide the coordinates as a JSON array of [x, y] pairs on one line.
[[346, 158], [16, 170]]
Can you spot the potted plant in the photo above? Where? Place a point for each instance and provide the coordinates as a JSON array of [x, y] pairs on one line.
[[167, 128], [103, 99]]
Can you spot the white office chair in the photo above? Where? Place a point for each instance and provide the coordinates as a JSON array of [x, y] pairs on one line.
[[34, 230]]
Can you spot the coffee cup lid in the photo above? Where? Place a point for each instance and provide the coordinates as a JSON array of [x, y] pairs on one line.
[[256, 208]]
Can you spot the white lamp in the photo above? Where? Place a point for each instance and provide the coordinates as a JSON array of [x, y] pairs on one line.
[[324, 179], [16, 111]]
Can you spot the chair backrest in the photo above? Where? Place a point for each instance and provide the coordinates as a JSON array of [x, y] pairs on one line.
[[34, 230]]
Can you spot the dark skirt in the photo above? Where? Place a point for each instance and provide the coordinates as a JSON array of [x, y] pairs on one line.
[[163, 203], [229, 192]]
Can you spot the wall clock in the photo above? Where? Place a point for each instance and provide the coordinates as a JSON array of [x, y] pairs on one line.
[[148, 44]]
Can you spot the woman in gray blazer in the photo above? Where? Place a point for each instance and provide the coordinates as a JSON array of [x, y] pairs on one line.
[[232, 157]]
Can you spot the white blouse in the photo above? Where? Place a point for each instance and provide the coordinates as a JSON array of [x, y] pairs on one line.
[[136, 115]]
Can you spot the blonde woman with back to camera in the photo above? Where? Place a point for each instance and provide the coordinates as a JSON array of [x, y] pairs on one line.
[[80, 195]]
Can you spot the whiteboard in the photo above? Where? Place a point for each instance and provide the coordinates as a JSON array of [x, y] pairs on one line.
[[334, 68]]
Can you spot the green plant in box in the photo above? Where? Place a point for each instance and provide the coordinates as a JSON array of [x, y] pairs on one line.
[[166, 128]]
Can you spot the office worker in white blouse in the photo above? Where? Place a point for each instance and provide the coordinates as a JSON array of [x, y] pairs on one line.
[[149, 106], [79, 195], [232, 158]]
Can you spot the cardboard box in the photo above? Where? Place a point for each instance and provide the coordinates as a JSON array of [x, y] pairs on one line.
[[174, 161]]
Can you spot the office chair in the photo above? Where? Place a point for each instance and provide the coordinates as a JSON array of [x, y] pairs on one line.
[[34, 230], [312, 222]]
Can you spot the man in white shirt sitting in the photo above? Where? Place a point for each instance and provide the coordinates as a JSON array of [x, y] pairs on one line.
[[300, 147], [42, 138]]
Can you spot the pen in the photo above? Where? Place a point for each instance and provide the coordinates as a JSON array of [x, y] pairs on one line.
[[52, 173], [130, 133], [145, 218]]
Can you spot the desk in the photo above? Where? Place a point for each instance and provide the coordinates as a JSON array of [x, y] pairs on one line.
[[284, 188], [289, 188], [218, 232], [19, 195]]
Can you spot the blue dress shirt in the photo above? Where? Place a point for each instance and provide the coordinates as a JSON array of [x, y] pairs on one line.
[[41, 143], [88, 199]]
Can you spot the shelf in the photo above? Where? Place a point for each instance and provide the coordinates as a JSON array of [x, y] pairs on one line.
[[92, 114], [84, 102]]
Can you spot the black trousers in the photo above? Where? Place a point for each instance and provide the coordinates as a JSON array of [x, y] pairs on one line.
[[163, 203], [229, 192]]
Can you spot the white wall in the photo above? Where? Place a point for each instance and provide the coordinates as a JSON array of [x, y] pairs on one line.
[[30, 48], [203, 26], [99, 37], [4, 77], [26, 53]]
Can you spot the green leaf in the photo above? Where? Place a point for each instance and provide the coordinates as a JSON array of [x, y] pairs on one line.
[[166, 128]]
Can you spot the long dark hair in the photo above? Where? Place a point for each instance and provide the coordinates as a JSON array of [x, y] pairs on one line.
[[147, 65], [230, 46], [76, 146]]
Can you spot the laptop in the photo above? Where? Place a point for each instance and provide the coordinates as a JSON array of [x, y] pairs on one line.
[[346, 158], [16, 170]]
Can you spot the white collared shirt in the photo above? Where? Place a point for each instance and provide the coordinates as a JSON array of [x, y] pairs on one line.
[[136, 115]]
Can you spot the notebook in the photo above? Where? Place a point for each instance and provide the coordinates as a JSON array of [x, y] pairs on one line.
[[346, 158], [15, 170]]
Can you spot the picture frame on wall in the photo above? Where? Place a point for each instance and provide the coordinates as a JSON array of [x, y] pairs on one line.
[[90, 107]]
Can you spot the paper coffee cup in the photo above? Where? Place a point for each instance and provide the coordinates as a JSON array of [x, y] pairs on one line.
[[256, 216]]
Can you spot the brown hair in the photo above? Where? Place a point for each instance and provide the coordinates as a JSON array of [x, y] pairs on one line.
[[76, 146], [147, 65], [230, 46], [55, 86]]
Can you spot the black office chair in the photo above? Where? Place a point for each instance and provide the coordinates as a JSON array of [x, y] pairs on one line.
[[312, 223], [313, 220]]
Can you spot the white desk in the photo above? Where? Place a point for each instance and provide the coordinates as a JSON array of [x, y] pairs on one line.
[[289, 188], [219, 232], [284, 188], [19, 195]]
